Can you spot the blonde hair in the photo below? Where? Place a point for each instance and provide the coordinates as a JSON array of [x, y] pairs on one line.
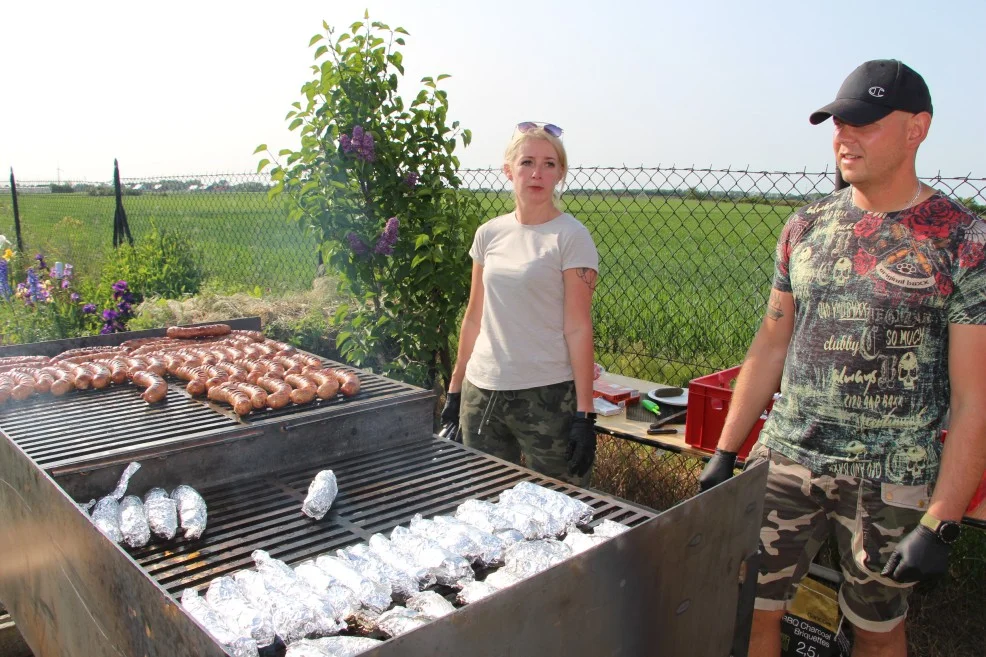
[[513, 148]]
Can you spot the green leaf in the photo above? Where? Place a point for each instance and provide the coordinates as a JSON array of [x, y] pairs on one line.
[[315, 39], [295, 123], [342, 337], [401, 30], [399, 41], [263, 163], [418, 259], [421, 240], [260, 149], [321, 51], [443, 76], [285, 151]]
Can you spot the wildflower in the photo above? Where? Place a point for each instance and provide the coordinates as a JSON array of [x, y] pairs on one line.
[[7, 255], [385, 245], [33, 285], [5, 290], [411, 179], [68, 270], [356, 244], [41, 262], [119, 287], [74, 297], [89, 308], [110, 315], [65, 283]]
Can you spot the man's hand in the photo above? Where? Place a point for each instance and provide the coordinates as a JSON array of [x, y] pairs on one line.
[[919, 556], [719, 469], [450, 417], [581, 451]]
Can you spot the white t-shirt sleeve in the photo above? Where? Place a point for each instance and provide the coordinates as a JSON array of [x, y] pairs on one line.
[[578, 250], [478, 249]]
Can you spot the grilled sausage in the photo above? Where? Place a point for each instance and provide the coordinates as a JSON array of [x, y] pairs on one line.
[[195, 332], [278, 392], [22, 385], [328, 384], [304, 390], [238, 399], [155, 388], [258, 396], [100, 374], [348, 382]]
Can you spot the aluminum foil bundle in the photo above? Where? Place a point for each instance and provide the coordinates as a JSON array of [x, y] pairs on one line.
[[192, 512], [477, 513], [121, 486], [401, 620], [532, 557], [87, 507], [162, 513], [106, 516], [491, 547], [456, 542], [608, 529], [389, 554], [199, 609], [430, 604], [280, 577], [531, 522], [509, 536], [371, 566], [569, 509], [448, 567], [342, 597], [372, 593], [291, 619], [501, 579], [321, 494], [332, 646], [473, 591], [133, 523], [578, 542], [226, 598]]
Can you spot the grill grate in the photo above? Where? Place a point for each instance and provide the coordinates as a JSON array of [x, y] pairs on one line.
[[89, 424], [377, 491]]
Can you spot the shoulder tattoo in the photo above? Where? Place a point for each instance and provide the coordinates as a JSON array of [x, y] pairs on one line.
[[588, 276], [774, 309]]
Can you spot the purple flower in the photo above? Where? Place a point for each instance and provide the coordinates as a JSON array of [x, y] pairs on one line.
[[110, 315], [65, 283], [41, 262], [89, 308], [5, 290], [75, 297], [357, 134], [346, 143], [411, 179], [120, 286], [385, 245], [33, 284], [361, 142], [357, 245]]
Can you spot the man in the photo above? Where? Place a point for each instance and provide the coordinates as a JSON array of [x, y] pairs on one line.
[[875, 330]]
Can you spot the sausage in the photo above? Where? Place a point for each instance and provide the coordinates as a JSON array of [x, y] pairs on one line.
[[85, 354], [278, 392], [235, 372], [304, 390], [258, 396], [62, 380], [238, 399], [348, 382], [22, 385], [6, 364], [117, 367], [328, 384], [196, 378], [155, 388], [290, 365], [253, 336], [81, 377], [195, 332], [100, 374], [6, 387]]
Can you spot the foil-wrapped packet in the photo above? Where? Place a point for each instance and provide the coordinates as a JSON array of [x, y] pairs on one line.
[[491, 547], [456, 542], [430, 604], [473, 591], [321, 494], [162, 513], [401, 620], [192, 512], [608, 529], [372, 593], [280, 577], [370, 565], [477, 513], [501, 579], [332, 646], [87, 507], [226, 598], [399, 560], [106, 517], [291, 619], [133, 523], [509, 536], [199, 609], [578, 542], [530, 521], [342, 597], [121, 486], [570, 510], [448, 568], [532, 557]]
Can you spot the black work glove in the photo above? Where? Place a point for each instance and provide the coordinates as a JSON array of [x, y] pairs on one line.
[[919, 556], [450, 418], [717, 470], [581, 450]]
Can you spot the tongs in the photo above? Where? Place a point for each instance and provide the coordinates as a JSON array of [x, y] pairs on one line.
[[655, 427]]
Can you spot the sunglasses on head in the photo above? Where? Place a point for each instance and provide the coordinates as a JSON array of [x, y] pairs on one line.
[[550, 128]]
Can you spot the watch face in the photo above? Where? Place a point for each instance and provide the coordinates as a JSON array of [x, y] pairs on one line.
[[949, 531]]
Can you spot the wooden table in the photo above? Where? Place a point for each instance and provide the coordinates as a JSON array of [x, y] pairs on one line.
[[636, 430]]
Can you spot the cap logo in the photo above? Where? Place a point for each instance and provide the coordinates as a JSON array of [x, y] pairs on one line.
[[877, 92]]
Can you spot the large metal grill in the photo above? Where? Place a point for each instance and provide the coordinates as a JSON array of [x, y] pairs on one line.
[[377, 491]]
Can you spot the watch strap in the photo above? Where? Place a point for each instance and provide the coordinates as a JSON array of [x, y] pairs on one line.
[[583, 415]]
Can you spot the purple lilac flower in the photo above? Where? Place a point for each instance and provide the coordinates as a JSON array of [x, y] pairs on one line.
[[361, 142], [89, 308], [74, 297], [411, 179], [41, 262], [34, 285], [357, 245], [358, 134], [385, 245], [346, 143], [5, 290]]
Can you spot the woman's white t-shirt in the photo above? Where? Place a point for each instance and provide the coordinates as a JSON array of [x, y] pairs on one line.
[[521, 342]]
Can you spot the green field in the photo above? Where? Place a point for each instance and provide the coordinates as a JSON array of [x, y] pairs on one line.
[[682, 284]]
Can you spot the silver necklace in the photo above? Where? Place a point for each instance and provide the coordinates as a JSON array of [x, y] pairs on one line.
[[852, 197]]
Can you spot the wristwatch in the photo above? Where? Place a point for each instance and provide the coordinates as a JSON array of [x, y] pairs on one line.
[[582, 415], [947, 531]]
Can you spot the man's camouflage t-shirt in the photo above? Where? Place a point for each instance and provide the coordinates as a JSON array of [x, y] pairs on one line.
[[865, 388]]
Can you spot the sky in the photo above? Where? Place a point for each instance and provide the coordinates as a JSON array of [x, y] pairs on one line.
[[181, 88]]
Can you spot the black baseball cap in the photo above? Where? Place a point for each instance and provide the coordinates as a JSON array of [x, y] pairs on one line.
[[874, 90]]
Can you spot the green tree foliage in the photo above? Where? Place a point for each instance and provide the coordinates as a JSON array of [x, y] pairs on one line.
[[376, 179]]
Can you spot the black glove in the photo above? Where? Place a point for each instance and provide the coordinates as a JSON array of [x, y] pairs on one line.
[[450, 418], [920, 555], [581, 451], [717, 470]]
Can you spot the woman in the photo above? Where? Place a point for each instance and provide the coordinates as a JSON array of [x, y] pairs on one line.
[[522, 382]]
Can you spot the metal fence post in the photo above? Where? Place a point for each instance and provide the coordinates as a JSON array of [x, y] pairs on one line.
[[121, 229], [17, 215]]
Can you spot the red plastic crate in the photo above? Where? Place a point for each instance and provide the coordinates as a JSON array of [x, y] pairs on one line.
[[708, 403], [979, 497]]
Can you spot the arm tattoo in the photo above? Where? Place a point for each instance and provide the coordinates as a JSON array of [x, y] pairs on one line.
[[588, 276], [774, 310]]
